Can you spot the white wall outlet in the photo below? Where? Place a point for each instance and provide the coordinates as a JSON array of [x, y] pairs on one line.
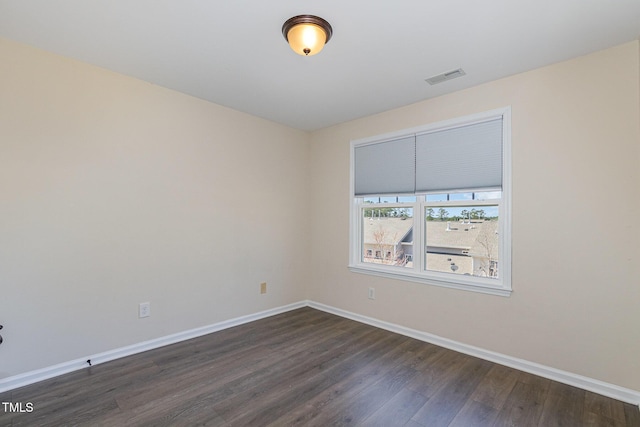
[[372, 293], [144, 309]]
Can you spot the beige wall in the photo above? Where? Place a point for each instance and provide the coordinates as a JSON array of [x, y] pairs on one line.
[[576, 221], [115, 192]]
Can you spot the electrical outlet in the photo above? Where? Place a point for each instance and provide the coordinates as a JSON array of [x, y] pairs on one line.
[[372, 293], [263, 287], [144, 309]]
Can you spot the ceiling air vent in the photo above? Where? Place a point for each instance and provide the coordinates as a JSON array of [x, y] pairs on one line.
[[445, 76]]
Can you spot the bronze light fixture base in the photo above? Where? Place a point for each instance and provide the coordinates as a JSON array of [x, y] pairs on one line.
[[307, 34]]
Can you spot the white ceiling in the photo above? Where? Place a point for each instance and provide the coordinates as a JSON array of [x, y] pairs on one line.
[[233, 53]]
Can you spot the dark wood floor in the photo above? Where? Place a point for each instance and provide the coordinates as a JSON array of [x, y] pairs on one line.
[[309, 368]]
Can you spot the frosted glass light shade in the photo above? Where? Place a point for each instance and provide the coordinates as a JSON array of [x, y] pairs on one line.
[[306, 39], [307, 34]]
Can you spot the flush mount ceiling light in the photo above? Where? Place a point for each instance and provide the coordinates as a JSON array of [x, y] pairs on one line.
[[307, 34]]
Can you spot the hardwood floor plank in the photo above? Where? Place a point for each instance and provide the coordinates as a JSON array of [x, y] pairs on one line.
[[397, 411], [631, 414], [305, 368], [475, 414], [445, 404], [495, 387], [215, 387], [196, 411], [591, 419], [355, 410], [83, 411], [436, 374], [596, 406], [563, 406], [488, 398], [524, 405], [315, 380], [283, 374], [102, 383], [229, 369], [348, 380]]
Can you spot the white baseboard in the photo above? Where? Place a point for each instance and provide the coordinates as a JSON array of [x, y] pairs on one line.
[[596, 386], [585, 383], [31, 377]]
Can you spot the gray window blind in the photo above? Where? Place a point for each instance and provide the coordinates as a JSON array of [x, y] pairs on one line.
[[385, 167], [463, 158]]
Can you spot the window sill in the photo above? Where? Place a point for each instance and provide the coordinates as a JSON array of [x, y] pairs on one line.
[[470, 284]]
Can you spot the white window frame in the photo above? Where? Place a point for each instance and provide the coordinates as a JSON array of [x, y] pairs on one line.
[[495, 286]]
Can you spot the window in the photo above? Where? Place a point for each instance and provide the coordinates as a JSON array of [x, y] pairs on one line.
[[386, 230], [432, 204]]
